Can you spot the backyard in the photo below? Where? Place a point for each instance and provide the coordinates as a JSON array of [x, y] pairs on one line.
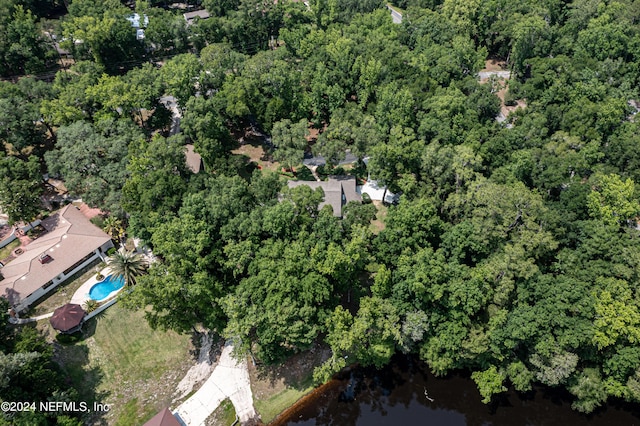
[[117, 359], [122, 362]]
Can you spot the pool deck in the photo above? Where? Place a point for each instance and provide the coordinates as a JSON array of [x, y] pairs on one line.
[[82, 294]]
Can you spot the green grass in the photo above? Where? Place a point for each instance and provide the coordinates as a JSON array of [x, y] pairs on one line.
[[124, 363], [396, 8], [129, 413], [270, 407], [8, 249], [224, 415], [377, 224]]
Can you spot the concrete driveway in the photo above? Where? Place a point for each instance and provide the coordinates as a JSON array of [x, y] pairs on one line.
[[230, 379]]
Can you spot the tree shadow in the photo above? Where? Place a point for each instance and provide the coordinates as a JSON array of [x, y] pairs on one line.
[[74, 362], [295, 371]]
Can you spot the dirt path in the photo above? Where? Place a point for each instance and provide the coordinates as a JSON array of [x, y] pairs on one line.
[[230, 379]]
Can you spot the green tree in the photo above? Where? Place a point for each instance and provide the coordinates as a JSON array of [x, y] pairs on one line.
[[20, 188], [128, 265], [166, 32], [92, 159], [158, 177], [108, 39], [23, 48], [489, 383], [205, 126], [290, 142], [180, 76], [612, 200], [369, 337], [23, 131], [530, 38]]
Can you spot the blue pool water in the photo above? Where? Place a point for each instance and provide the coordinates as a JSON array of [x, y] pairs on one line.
[[101, 290]]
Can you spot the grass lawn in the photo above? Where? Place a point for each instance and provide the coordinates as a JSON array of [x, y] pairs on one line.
[[377, 224], [124, 363], [270, 407], [6, 250], [224, 415], [276, 388], [396, 8]]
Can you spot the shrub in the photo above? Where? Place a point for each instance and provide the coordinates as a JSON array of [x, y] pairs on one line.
[[366, 199], [68, 339], [111, 251], [98, 221], [91, 305], [510, 99]]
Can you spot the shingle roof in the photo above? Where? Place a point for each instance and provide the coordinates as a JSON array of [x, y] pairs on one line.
[[70, 237], [338, 191], [163, 418], [194, 160], [190, 16]]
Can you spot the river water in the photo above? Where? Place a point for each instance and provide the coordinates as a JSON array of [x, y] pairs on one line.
[[399, 395]]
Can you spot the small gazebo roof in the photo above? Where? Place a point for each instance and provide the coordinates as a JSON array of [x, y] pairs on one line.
[[67, 317], [163, 418]]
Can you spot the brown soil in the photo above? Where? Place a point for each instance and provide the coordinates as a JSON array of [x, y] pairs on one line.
[[270, 379], [503, 87], [494, 65], [256, 154], [506, 110]]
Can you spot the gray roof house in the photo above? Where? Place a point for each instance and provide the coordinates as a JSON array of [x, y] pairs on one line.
[[338, 191], [190, 17]]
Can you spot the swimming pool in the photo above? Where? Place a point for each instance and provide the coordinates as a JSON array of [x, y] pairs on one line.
[[103, 289]]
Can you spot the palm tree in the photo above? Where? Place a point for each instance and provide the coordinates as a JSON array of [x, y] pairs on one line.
[[128, 265], [113, 226]]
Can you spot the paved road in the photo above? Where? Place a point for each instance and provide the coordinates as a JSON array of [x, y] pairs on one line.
[[395, 15], [230, 379]]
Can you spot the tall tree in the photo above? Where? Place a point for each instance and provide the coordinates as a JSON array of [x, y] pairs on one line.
[[23, 48], [290, 142], [92, 159], [20, 189], [128, 265]]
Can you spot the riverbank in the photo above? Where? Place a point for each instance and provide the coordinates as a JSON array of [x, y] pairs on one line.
[[309, 398], [276, 389], [405, 392]]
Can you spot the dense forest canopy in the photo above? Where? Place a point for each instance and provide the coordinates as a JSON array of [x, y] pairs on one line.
[[514, 251]]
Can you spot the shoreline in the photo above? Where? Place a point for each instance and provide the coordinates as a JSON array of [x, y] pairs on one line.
[[282, 418]]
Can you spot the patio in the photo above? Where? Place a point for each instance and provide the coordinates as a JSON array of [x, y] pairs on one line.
[[81, 295]]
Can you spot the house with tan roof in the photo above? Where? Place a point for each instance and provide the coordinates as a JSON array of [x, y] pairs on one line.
[[70, 243], [338, 191]]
